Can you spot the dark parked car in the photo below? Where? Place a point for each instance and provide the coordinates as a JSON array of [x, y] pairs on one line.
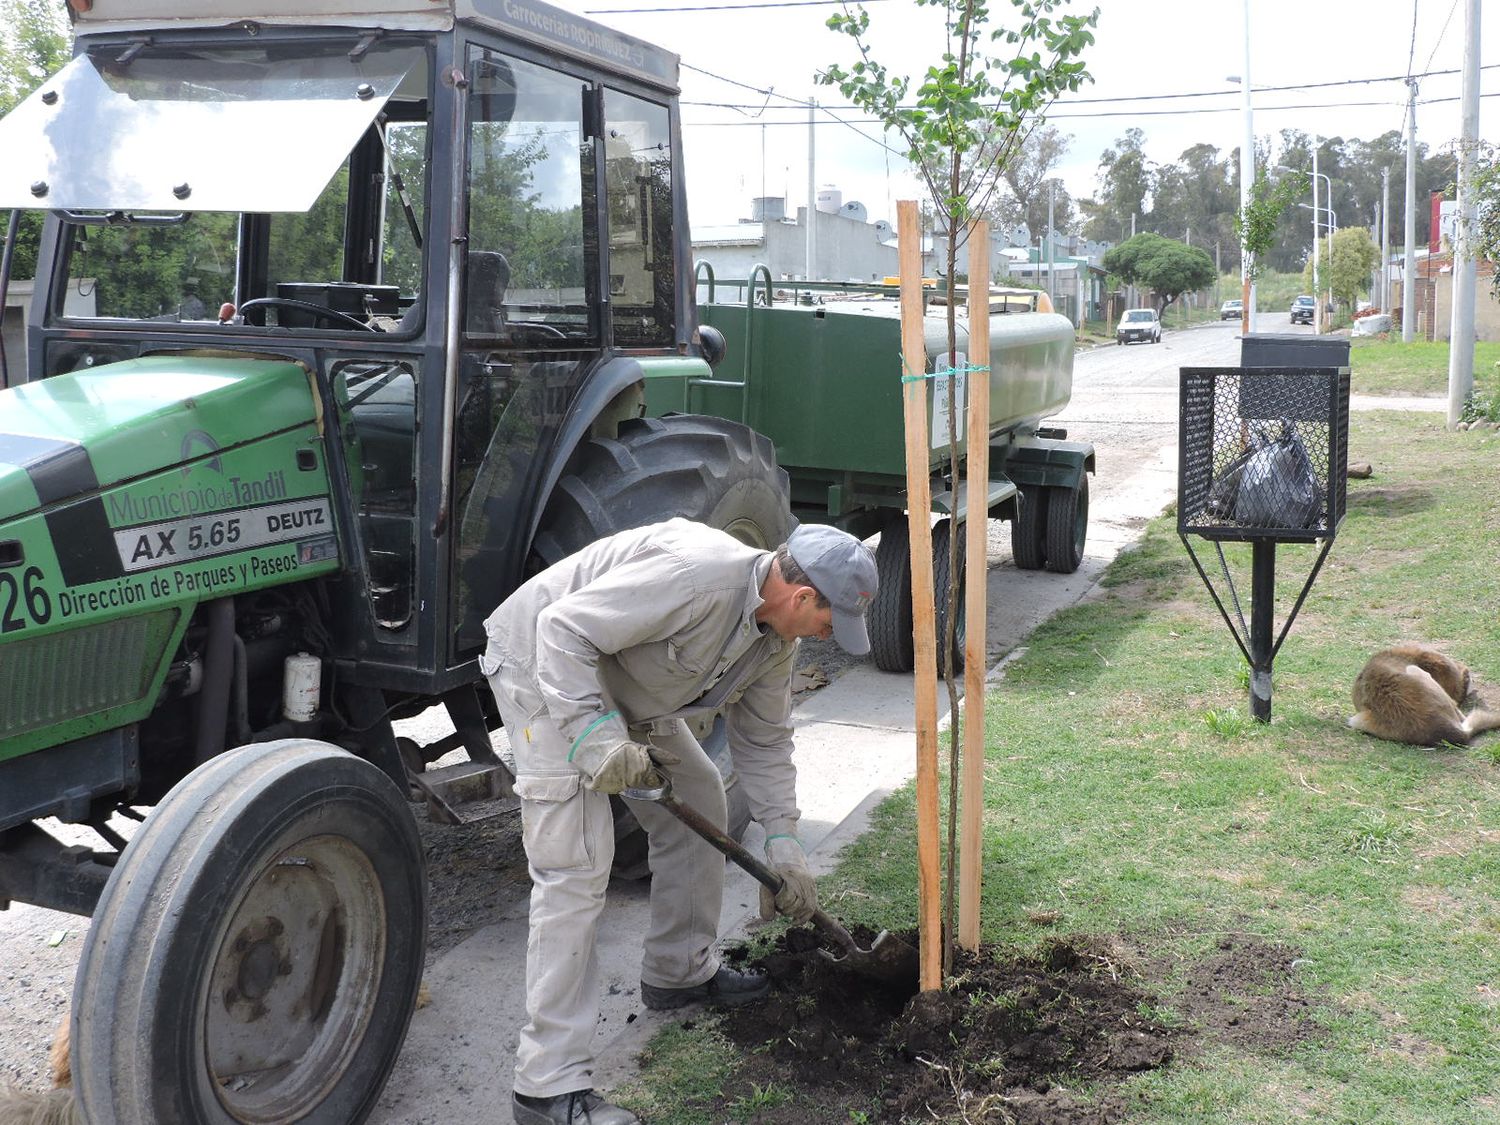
[[1302, 310]]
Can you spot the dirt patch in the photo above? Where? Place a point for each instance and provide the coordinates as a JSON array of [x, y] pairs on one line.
[[1043, 1038]]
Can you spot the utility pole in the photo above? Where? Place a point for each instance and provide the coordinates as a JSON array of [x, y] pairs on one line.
[[1051, 238], [1461, 335], [1317, 251], [812, 188], [1247, 181], [1385, 240], [1409, 270]]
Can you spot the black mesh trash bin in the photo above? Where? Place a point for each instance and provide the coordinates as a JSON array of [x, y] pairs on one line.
[[1262, 452]]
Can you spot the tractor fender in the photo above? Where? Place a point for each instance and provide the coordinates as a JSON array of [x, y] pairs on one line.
[[610, 380]]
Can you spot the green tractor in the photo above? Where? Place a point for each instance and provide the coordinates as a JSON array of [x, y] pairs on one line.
[[345, 324], [349, 317]]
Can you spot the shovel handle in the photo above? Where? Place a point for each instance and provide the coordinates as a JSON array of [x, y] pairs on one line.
[[760, 871]]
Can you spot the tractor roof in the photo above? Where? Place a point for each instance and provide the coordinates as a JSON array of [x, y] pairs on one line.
[[531, 20]]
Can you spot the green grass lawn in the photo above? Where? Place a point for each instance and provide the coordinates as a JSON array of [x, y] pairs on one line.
[[1126, 794], [1389, 367]]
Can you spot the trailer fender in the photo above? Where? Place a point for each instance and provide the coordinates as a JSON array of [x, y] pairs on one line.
[[1046, 462]]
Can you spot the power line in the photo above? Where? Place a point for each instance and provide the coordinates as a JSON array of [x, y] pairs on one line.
[[1091, 116], [1115, 100], [1442, 33]]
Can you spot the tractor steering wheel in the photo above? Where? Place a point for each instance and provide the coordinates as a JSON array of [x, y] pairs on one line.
[[322, 312]]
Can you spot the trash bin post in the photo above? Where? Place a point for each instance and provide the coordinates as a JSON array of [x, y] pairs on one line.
[[1262, 605]]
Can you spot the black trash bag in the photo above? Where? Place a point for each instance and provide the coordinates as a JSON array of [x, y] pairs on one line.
[[1271, 484]]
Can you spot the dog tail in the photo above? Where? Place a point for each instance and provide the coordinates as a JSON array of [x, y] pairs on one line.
[[1477, 722], [27, 1107]]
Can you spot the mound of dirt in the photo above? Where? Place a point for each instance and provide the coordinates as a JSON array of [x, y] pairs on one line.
[[1010, 1039]]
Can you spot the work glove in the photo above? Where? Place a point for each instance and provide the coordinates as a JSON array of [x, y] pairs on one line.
[[798, 897], [627, 766]]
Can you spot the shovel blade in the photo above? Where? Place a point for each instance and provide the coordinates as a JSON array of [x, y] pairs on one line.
[[888, 958]]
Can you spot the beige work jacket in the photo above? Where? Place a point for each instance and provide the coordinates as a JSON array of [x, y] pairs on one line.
[[653, 624]]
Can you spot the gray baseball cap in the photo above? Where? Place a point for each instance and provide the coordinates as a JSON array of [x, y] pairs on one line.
[[843, 571]]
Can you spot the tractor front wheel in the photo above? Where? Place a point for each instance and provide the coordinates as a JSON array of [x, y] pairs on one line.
[[255, 956]]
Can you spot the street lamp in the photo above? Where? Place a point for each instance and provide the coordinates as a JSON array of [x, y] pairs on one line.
[[1316, 176]]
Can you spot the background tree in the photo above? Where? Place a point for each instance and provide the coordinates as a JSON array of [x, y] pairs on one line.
[[1487, 198], [1125, 181], [1165, 266], [1022, 196], [1196, 196], [34, 44], [1347, 271], [988, 89]]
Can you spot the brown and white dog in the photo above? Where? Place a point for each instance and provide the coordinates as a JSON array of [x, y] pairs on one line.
[[54, 1107], [1411, 693]]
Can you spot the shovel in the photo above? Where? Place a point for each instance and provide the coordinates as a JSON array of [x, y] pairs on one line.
[[888, 958]]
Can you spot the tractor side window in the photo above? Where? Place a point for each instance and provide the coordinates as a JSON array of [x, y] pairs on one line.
[[638, 189], [530, 268]]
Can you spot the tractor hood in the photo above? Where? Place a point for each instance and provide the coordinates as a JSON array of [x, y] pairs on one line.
[[77, 433]]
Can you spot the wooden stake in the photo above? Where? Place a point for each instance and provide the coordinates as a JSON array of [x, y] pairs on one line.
[[977, 473], [915, 397]]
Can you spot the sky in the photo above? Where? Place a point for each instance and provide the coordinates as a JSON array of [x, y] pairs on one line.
[[743, 138]]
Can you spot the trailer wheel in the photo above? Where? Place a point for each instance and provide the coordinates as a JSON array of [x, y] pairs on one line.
[[1067, 525], [255, 956], [1028, 531], [940, 572], [706, 469], [889, 619]]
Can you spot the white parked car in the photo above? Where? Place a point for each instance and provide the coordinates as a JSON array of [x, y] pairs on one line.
[[1138, 324]]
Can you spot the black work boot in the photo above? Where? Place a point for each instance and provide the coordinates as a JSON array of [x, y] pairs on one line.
[[581, 1107], [725, 989]]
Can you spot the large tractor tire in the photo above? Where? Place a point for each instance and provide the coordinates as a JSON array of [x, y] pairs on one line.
[[892, 641], [1028, 531], [255, 956], [706, 469], [1067, 526]]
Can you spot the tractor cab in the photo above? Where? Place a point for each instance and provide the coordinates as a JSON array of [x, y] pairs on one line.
[[459, 217]]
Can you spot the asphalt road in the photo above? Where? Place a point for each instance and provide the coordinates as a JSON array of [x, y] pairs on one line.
[[1124, 401]]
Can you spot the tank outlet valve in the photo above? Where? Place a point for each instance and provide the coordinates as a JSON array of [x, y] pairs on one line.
[[301, 687]]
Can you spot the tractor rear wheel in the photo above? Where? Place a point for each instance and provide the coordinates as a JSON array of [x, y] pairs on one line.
[[255, 956], [706, 469]]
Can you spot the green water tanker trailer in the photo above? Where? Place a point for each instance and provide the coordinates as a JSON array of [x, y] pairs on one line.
[[349, 316], [820, 374]]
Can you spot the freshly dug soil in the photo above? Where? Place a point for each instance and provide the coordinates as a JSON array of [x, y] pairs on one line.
[[1030, 1040]]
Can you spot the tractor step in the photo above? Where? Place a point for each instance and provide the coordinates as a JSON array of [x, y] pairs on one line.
[[467, 792]]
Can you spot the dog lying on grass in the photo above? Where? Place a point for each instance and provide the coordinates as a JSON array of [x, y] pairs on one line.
[[1411, 693]]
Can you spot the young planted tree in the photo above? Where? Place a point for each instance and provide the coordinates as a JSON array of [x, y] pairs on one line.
[[1255, 224], [986, 93]]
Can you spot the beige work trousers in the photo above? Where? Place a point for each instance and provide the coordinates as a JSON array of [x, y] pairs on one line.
[[569, 835]]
